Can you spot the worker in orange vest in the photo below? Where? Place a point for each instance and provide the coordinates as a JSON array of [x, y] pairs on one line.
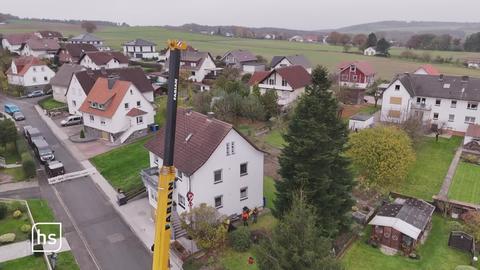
[[245, 217]]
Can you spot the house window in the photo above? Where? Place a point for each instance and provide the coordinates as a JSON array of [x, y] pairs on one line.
[[45, 78], [102, 122], [451, 117], [453, 104], [126, 106], [243, 193], [284, 82], [74, 103], [131, 92], [34, 69], [228, 149], [271, 81], [472, 106], [94, 105], [435, 116], [243, 169], [101, 106], [139, 104], [34, 79], [139, 120], [469, 119], [181, 201], [353, 68], [233, 148], [397, 87], [438, 102], [92, 118], [217, 176], [354, 77], [344, 77], [219, 202], [421, 101]]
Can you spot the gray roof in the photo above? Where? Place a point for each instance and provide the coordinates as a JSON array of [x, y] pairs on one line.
[[361, 117], [443, 86], [64, 74], [86, 37], [242, 56], [297, 59], [139, 42], [413, 211]]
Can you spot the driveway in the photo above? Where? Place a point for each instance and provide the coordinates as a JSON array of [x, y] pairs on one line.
[[98, 236]]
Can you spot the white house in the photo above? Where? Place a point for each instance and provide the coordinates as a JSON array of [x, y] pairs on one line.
[[296, 39], [29, 71], [214, 161], [115, 110], [289, 82], [88, 38], [291, 60], [197, 64], [82, 82], [449, 103], [140, 49], [61, 80], [102, 59], [13, 42], [370, 51], [41, 48]]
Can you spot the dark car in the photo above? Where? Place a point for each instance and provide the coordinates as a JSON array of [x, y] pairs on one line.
[[36, 93], [18, 116]]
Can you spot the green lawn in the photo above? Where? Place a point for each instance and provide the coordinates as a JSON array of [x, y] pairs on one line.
[[121, 166], [26, 263], [18, 174], [370, 109], [434, 254], [66, 261], [466, 184], [275, 139], [433, 160], [269, 191], [161, 102], [9, 152], [11, 224], [41, 212], [50, 104]]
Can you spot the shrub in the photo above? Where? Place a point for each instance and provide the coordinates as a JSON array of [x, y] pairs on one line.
[[17, 205], [17, 214], [7, 238], [3, 210], [471, 159], [29, 168], [240, 239], [82, 134], [26, 228]]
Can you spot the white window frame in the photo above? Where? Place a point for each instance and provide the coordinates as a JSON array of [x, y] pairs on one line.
[[435, 118], [453, 104], [139, 120], [472, 106], [246, 171], [181, 200], [221, 176], [470, 120], [451, 117], [215, 201], [92, 118], [438, 102], [245, 190]]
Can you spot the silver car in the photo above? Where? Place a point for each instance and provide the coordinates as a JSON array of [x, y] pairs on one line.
[[18, 116]]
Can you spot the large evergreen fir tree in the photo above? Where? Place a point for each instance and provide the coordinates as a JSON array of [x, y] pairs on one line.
[[313, 159]]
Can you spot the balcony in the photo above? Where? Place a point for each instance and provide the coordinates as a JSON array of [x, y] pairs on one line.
[[420, 106]]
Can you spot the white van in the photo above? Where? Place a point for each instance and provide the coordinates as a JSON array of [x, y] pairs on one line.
[[71, 120]]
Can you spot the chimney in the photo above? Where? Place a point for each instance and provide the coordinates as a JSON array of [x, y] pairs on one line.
[[103, 71], [111, 80], [440, 78], [210, 116]]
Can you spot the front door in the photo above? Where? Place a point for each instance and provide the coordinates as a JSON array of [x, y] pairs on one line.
[[105, 135]]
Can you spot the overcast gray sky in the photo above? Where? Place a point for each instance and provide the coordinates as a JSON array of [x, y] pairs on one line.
[[296, 14]]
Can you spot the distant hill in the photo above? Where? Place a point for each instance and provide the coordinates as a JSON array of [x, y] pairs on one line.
[[413, 26], [5, 18]]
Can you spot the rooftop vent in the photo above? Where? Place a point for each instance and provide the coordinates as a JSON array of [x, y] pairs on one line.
[[210, 115], [446, 86]]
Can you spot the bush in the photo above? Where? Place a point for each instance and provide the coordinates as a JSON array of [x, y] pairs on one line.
[[471, 159], [3, 210], [240, 239], [17, 214], [29, 168], [82, 134], [7, 238], [26, 228], [17, 205]]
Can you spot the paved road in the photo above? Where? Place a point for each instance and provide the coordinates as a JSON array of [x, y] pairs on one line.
[[97, 235]]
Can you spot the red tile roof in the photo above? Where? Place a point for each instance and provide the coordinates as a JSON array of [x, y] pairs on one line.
[[24, 63], [365, 67], [431, 70], [102, 58], [204, 136], [101, 94], [18, 39], [296, 76], [473, 131], [134, 112], [38, 44]]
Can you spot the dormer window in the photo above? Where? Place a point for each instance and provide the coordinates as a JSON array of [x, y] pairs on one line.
[[284, 82], [94, 105], [101, 106]]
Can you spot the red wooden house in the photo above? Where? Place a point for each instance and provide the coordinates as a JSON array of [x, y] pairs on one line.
[[356, 75]]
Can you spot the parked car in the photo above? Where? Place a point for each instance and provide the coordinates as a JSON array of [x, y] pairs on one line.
[[42, 150], [36, 93], [11, 108], [32, 134], [54, 168], [18, 116], [71, 120]]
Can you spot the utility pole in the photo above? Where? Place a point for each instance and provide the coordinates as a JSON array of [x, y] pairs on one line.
[[166, 179]]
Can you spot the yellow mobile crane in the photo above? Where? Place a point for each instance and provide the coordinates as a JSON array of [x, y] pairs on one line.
[[166, 179]]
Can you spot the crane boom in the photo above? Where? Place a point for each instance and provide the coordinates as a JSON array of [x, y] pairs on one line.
[[166, 179]]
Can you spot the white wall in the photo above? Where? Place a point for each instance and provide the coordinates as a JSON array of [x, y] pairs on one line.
[[357, 124], [35, 75], [201, 183], [10, 47], [286, 94], [88, 63], [75, 96], [59, 93], [204, 69], [252, 68], [404, 107]]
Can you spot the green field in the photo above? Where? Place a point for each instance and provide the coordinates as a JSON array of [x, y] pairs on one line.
[[466, 184], [121, 166], [329, 56], [433, 160], [269, 191], [275, 139], [65, 261], [434, 254]]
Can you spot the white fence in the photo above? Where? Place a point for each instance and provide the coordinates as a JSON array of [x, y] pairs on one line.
[[70, 176]]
